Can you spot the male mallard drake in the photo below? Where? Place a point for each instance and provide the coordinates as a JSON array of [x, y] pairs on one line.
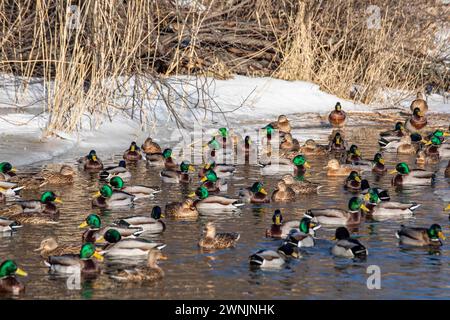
[[133, 153], [378, 166], [276, 166], [300, 165], [283, 193], [6, 171], [150, 147], [387, 209], [352, 216], [382, 194], [419, 103], [346, 246], [120, 171], [254, 194], [265, 258], [417, 121], [185, 209], [221, 170], [421, 236], [335, 169], [436, 150], [139, 191], [181, 176], [162, 159], [9, 190], [407, 177], [275, 230], [282, 124], [213, 240], [390, 135], [45, 205], [8, 281], [91, 162], [213, 183], [7, 225], [50, 247], [353, 154], [337, 117], [106, 197], [205, 202], [151, 224], [249, 149], [337, 144], [403, 145], [151, 272], [69, 263], [303, 237], [353, 182], [312, 148], [300, 186], [95, 232]]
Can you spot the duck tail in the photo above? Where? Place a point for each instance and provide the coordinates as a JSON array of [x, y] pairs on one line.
[[383, 142], [360, 251], [256, 260], [414, 206], [104, 175]]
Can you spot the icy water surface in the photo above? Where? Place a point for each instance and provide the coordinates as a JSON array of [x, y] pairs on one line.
[[225, 274]]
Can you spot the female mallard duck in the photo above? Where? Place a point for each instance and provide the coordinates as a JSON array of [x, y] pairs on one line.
[[133, 153], [116, 171], [70, 263], [289, 143], [50, 247], [64, 176], [447, 170], [282, 124], [213, 183], [421, 236], [378, 166], [335, 169], [283, 193], [383, 195], [7, 225], [387, 209], [106, 197], [303, 237], [8, 281], [150, 224], [95, 232], [352, 216], [353, 154], [406, 177], [91, 162], [221, 170], [419, 103], [151, 272], [422, 158], [213, 240], [185, 209], [6, 171], [163, 159], [150, 147], [337, 117], [206, 203], [337, 144], [138, 191], [390, 135], [181, 176], [417, 121], [300, 186], [346, 246], [312, 148], [254, 194], [353, 182]]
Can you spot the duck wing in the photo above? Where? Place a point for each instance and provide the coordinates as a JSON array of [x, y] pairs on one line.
[[419, 234]]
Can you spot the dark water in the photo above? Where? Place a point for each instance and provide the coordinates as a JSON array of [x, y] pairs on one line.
[[225, 274]]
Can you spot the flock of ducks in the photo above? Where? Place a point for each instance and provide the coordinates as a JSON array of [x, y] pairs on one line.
[[124, 237]]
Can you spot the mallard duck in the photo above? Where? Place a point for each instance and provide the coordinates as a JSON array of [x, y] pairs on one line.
[[269, 132], [254, 194], [402, 145], [382, 194], [221, 170], [116, 248], [206, 203], [310, 147], [417, 121], [353, 154], [9, 190], [91, 162], [273, 166], [106, 197], [300, 165], [421, 236], [275, 230], [45, 205], [50, 247], [138, 191], [151, 272], [352, 216], [387, 209], [337, 144], [70, 263], [390, 135], [213, 183], [335, 169], [422, 158], [64, 176], [151, 224], [6, 171], [150, 147], [289, 143], [337, 117], [265, 258], [378, 166], [436, 150], [282, 124], [353, 182], [213, 240], [303, 237], [120, 171], [133, 153], [249, 149], [300, 186], [283, 193], [447, 170], [8, 281], [185, 209], [163, 159], [8, 225], [181, 176], [419, 103], [406, 177], [346, 246]]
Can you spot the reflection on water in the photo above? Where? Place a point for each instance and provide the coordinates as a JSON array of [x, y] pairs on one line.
[[193, 273]]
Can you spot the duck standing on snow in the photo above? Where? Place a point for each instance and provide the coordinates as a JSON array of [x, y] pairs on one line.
[[337, 117], [133, 153], [213, 240], [417, 121]]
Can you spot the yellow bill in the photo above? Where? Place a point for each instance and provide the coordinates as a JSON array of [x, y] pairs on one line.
[[393, 171], [97, 194], [447, 208], [191, 195], [98, 256], [203, 179], [58, 200], [364, 208], [20, 272], [441, 235], [84, 224], [100, 240], [263, 191], [307, 165]]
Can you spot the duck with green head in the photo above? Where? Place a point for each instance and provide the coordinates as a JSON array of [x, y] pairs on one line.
[[139, 191], [351, 216], [337, 117], [304, 236], [337, 143], [275, 230], [133, 153], [353, 182], [353, 154], [414, 236], [435, 148], [383, 194], [417, 121], [120, 171], [150, 224], [254, 194], [398, 131], [300, 164], [91, 162], [180, 176], [163, 159], [213, 183], [404, 176], [378, 165], [106, 197], [382, 210], [346, 246], [8, 280], [221, 170], [6, 171], [206, 202]]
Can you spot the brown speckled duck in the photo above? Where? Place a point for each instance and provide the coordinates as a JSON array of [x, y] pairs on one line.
[[150, 147], [420, 103], [283, 193], [213, 240]]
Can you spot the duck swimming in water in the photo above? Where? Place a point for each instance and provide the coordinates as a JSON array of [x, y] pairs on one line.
[[337, 117], [91, 162], [133, 153], [417, 121], [407, 177]]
